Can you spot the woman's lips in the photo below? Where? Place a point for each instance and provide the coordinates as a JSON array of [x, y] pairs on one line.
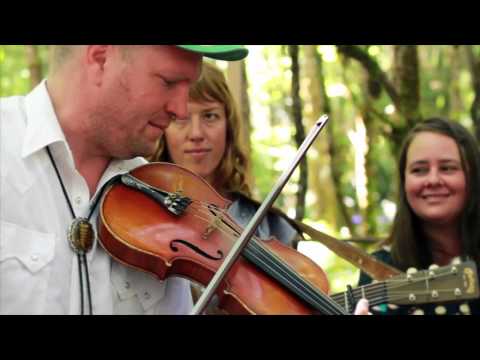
[[197, 153]]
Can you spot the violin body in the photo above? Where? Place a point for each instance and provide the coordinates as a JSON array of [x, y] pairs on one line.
[[137, 231]]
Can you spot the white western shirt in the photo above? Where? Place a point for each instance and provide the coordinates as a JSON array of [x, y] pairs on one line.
[[38, 269]]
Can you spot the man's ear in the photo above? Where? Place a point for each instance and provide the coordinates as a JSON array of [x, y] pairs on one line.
[[96, 57]]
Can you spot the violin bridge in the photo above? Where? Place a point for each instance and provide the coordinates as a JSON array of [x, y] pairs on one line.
[[211, 228], [179, 185]]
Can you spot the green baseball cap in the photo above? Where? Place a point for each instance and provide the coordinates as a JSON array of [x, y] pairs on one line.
[[219, 52]]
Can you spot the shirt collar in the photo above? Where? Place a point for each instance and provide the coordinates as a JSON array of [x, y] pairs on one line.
[[43, 127]]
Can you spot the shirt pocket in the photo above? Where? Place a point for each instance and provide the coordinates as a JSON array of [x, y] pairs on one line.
[[136, 292], [25, 266]]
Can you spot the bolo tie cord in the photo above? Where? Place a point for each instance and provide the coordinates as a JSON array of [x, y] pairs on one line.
[[81, 255]]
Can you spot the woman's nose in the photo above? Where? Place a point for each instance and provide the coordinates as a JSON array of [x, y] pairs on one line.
[[195, 131], [434, 178]]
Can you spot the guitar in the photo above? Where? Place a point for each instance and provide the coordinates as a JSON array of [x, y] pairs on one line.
[[438, 284]]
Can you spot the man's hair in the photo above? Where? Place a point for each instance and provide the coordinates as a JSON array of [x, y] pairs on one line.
[[59, 54], [409, 246], [232, 174]]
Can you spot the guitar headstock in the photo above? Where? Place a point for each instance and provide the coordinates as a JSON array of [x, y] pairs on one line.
[[442, 284]]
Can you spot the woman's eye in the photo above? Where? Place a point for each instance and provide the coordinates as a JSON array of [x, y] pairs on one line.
[[211, 116], [419, 170], [450, 168]]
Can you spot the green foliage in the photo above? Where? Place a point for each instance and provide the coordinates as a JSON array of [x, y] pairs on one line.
[[14, 74], [14, 71]]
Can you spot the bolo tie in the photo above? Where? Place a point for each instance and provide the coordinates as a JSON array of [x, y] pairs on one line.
[[80, 237]]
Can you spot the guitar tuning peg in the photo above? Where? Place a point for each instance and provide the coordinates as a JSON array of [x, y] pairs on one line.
[[440, 310], [456, 261], [412, 270], [465, 309], [433, 267], [418, 312]]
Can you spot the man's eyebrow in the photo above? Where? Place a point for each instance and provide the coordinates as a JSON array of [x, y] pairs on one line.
[[172, 77]]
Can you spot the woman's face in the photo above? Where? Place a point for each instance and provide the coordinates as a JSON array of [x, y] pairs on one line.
[[435, 183], [198, 142]]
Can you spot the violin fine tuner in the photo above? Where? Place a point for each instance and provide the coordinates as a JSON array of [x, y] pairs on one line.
[[80, 235]]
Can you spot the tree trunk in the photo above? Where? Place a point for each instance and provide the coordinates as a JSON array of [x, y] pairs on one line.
[[238, 83], [299, 131], [454, 95], [404, 91], [34, 64], [406, 81], [474, 63], [320, 180]]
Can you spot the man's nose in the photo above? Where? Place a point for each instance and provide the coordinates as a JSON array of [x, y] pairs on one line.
[[177, 106]]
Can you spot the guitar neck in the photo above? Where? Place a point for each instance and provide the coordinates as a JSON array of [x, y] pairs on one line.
[[375, 294], [449, 283]]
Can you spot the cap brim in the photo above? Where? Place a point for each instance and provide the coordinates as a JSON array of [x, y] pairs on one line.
[[219, 52]]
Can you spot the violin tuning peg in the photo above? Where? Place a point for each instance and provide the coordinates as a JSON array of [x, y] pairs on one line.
[[465, 309], [440, 310], [418, 312], [433, 267]]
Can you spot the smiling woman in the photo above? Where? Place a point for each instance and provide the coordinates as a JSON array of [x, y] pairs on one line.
[[438, 207]]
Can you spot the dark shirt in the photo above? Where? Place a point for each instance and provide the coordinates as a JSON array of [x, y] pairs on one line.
[[452, 308]]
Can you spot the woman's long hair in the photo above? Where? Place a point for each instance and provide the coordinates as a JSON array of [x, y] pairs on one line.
[[232, 174], [409, 248]]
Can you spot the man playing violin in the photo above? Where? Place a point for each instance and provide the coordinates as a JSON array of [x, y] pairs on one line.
[[101, 110]]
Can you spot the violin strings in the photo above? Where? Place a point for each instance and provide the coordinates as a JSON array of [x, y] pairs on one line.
[[276, 266]]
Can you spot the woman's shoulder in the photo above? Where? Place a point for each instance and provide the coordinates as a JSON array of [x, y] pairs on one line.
[[275, 223], [383, 255]]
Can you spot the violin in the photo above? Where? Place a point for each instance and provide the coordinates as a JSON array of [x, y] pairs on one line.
[[165, 220]]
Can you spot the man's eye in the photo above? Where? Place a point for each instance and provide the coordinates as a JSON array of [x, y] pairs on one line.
[[166, 82]]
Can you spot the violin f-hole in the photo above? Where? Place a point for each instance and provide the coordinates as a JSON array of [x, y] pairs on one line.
[[196, 249]]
